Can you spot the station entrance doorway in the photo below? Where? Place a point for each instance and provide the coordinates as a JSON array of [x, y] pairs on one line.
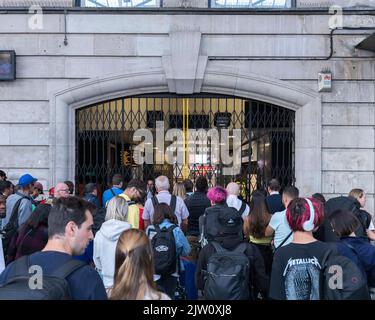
[[254, 138]]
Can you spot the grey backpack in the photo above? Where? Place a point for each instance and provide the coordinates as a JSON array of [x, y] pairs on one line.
[[227, 275]]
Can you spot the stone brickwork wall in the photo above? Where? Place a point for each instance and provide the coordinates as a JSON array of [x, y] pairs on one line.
[[101, 45]]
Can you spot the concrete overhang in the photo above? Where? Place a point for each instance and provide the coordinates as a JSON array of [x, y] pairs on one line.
[[367, 44]]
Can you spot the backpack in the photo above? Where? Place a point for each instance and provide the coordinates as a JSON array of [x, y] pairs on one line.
[[55, 286], [11, 228], [113, 195], [242, 209], [215, 224], [164, 248], [172, 204], [354, 284], [347, 203], [228, 273]]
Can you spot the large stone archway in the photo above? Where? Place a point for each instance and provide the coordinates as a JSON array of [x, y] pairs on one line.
[[304, 102]]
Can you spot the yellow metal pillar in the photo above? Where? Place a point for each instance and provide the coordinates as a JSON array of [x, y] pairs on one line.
[[185, 128]]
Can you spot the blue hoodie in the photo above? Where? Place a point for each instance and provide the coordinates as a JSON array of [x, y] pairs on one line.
[[362, 254]]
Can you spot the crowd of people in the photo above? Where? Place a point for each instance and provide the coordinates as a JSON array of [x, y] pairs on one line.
[[140, 241]]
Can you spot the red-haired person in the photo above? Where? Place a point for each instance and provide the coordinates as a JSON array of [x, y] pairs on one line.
[[296, 266]]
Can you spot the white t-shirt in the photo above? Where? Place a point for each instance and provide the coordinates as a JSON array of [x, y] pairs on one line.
[[279, 223], [371, 227], [234, 202]]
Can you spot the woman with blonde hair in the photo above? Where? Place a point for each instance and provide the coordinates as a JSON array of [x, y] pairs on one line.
[[179, 190], [134, 269], [365, 217], [359, 195], [106, 238]]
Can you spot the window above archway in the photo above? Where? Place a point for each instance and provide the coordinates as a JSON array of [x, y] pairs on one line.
[[188, 3], [121, 3], [251, 3]]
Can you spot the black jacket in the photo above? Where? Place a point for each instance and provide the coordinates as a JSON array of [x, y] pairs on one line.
[[258, 278], [99, 218], [196, 204], [325, 230], [91, 198], [274, 203]]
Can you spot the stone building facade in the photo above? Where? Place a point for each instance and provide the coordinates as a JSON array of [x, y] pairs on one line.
[[81, 56]]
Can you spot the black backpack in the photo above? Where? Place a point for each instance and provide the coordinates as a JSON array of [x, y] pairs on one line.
[[226, 221], [227, 275], [354, 284], [347, 203], [55, 286], [172, 205], [11, 228], [164, 249], [242, 209]]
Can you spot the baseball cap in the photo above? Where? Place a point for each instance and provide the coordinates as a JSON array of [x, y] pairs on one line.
[[51, 191], [26, 179]]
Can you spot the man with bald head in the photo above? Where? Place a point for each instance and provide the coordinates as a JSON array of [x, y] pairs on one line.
[[61, 190], [233, 190]]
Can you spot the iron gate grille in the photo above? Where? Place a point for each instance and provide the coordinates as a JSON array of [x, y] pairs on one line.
[[105, 145]]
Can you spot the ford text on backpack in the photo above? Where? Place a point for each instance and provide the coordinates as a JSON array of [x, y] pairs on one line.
[[164, 248], [213, 224], [227, 274], [349, 204], [341, 279], [54, 286]]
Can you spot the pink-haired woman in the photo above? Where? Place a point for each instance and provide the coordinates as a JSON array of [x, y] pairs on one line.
[[217, 197], [222, 231]]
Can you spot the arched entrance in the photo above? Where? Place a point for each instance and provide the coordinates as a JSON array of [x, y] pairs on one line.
[[303, 102], [224, 138]]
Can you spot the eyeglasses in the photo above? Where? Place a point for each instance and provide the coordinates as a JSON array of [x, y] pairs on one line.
[[63, 190]]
